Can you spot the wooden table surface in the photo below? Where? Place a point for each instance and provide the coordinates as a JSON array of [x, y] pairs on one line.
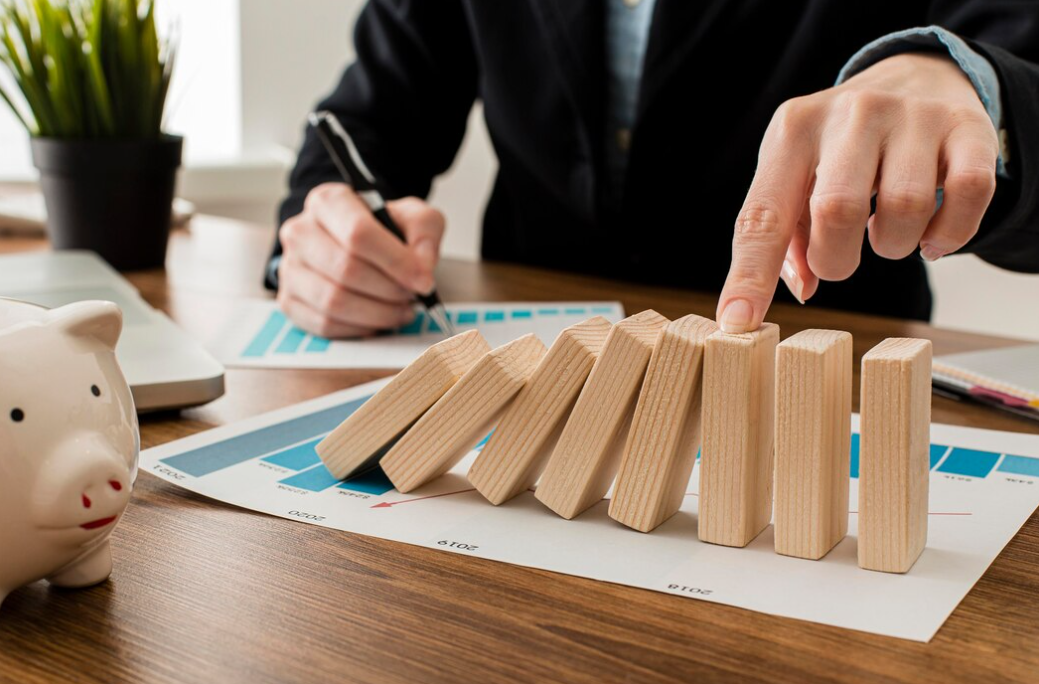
[[205, 592]]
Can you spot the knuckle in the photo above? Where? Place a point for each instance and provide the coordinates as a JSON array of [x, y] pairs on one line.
[[758, 220], [974, 183], [908, 199], [839, 210], [289, 230], [353, 233], [332, 299], [792, 118]]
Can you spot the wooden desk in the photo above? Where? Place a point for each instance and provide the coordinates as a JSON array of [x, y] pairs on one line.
[[204, 592]]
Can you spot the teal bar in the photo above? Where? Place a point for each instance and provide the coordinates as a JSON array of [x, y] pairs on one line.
[[1019, 465], [493, 316], [290, 343], [415, 327], [468, 318], [318, 344], [299, 457], [854, 469], [937, 451], [266, 336], [602, 309], [576, 312], [522, 314], [317, 479], [373, 482], [548, 312], [969, 462]]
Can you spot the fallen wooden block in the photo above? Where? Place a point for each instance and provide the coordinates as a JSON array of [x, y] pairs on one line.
[[894, 446], [462, 416], [515, 456], [665, 432], [735, 502], [813, 442], [359, 441], [585, 460]]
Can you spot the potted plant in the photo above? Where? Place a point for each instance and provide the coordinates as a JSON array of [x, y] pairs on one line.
[[90, 79]]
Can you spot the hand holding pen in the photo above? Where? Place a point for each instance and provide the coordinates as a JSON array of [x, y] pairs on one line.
[[343, 274]]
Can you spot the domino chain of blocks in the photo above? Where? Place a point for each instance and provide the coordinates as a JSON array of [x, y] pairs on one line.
[[632, 404]]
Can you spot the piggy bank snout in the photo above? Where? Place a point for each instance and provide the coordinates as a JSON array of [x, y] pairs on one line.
[[86, 482]]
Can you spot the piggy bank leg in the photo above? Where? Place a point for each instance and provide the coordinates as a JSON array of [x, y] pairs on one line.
[[89, 570]]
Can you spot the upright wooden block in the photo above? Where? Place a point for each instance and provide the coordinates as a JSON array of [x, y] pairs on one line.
[[665, 432], [586, 458], [735, 502], [362, 437], [813, 442], [894, 446], [462, 416], [515, 456]]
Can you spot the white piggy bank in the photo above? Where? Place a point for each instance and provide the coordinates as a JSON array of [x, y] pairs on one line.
[[68, 443]]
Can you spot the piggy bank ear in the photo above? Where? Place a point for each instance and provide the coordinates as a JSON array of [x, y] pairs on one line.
[[102, 321]]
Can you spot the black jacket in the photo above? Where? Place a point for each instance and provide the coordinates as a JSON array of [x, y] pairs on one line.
[[715, 72]]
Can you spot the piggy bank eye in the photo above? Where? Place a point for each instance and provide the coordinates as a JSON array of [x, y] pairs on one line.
[[95, 390], [17, 415]]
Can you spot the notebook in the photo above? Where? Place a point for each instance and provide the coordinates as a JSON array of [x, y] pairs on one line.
[[1007, 378]]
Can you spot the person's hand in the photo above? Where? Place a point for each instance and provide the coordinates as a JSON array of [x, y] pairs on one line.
[[342, 274], [902, 128]]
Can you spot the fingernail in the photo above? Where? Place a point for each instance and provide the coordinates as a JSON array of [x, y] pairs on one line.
[[737, 316], [793, 281], [931, 253]]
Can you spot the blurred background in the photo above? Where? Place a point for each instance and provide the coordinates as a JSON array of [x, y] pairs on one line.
[[249, 71]]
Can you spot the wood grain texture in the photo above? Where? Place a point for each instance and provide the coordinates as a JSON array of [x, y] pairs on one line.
[[894, 448], [355, 443], [460, 418], [738, 417], [665, 432], [813, 440], [585, 460], [515, 456], [205, 592]]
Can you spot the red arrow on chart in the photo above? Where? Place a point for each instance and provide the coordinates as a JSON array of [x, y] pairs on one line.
[[387, 504]]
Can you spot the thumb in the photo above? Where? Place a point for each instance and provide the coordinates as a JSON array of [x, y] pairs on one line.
[[423, 226]]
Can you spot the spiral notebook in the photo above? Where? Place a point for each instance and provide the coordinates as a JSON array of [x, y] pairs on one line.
[[1007, 378]]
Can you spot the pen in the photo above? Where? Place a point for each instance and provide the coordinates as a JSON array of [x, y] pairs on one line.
[[355, 172]]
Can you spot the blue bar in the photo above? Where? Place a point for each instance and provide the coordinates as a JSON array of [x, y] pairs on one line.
[[415, 327], [1020, 465], [520, 313], [318, 344], [937, 451], [602, 309], [493, 316], [483, 442], [317, 479], [854, 469], [548, 312], [576, 312], [373, 482], [290, 343], [299, 457], [468, 317], [265, 338], [969, 462], [209, 459]]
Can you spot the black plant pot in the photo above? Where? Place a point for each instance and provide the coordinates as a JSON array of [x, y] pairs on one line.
[[112, 197]]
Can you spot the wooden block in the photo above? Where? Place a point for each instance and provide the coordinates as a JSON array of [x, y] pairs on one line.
[[735, 502], [586, 458], [463, 415], [515, 456], [894, 448], [665, 432], [813, 442], [361, 438]]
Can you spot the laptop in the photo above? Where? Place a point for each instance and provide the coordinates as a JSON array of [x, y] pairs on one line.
[[165, 367]]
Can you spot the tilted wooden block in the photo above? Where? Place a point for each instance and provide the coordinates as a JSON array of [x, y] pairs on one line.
[[813, 442], [735, 502], [515, 456], [585, 460], [462, 416], [665, 432], [361, 438], [894, 446]]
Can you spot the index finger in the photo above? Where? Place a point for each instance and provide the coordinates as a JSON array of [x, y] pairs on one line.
[[763, 230]]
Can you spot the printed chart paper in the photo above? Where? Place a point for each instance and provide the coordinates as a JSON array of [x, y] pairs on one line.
[[258, 335], [984, 486]]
